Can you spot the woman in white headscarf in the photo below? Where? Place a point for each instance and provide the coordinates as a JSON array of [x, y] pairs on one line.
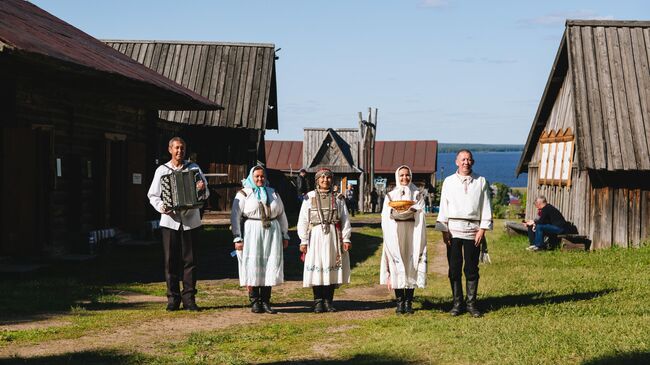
[[324, 231], [266, 233], [404, 255]]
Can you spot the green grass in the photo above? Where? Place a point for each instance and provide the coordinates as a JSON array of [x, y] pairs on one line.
[[541, 308]]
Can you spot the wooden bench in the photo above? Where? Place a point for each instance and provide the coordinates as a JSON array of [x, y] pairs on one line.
[[574, 241]]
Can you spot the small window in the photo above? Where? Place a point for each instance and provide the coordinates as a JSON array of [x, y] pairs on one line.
[[556, 157]]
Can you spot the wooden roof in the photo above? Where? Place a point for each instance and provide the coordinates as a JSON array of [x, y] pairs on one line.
[[609, 63], [239, 76], [420, 156], [33, 39]]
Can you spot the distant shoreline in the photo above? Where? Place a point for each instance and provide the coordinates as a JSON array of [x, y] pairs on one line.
[[476, 147]]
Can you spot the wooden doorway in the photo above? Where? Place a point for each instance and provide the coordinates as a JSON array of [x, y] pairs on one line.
[[26, 182]]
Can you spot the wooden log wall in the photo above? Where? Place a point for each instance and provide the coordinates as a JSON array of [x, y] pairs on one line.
[[79, 125], [620, 209]]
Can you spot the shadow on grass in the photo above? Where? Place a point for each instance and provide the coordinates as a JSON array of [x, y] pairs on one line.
[[341, 305], [66, 285], [357, 359], [85, 358], [493, 303], [626, 358]]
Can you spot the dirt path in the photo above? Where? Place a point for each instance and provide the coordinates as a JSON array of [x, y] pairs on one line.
[[149, 336], [439, 264]]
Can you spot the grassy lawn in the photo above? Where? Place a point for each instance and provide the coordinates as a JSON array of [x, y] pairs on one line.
[[541, 308]]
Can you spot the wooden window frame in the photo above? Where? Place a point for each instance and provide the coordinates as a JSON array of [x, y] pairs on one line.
[[548, 146]]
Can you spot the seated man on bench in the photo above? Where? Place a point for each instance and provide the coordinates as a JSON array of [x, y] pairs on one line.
[[549, 222]]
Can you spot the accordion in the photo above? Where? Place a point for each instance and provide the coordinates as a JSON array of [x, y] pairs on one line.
[[179, 190]]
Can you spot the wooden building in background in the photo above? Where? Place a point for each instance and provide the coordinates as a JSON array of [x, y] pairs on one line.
[[239, 76], [322, 148], [588, 150], [76, 125]]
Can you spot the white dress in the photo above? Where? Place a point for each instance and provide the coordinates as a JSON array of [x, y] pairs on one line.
[[404, 254], [261, 262], [321, 264]]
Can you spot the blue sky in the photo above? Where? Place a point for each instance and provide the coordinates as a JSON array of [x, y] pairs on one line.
[[456, 71]]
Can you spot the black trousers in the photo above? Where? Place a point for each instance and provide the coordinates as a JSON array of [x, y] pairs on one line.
[[180, 253], [463, 249]]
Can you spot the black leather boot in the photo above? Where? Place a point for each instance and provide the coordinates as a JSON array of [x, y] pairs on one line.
[[318, 298], [408, 302], [329, 298], [256, 302], [265, 292], [399, 299], [173, 303], [472, 289], [457, 294]]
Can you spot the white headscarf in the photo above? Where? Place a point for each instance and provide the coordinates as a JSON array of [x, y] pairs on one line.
[[404, 190]]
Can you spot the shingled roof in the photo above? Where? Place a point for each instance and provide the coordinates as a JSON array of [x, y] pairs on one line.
[[239, 76], [608, 62], [31, 36]]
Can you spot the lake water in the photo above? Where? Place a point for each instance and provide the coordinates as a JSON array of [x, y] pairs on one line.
[[495, 166]]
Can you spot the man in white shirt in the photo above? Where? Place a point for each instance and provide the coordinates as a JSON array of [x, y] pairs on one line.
[[465, 214], [179, 231]]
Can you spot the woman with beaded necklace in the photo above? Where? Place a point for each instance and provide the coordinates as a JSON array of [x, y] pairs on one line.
[[324, 231], [266, 233]]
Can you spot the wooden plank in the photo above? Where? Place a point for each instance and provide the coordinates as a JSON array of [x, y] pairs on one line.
[[129, 50], [243, 74], [227, 87], [595, 120], [175, 115], [607, 98], [207, 80], [149, 54], [250, 74], [638, 137], [197, 77], [214, 84], [182, 116], [221, 89], [601, 215], [234, 88], [634, 214], [642, 66], [143, 52], [645, 216], [620, 99], [580, 98], [265, 86], [620, 218], [255, 93]]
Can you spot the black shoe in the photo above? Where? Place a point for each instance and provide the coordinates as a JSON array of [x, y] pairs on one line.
[[191, 306], [399, 309], [457, 309], [328, 307], [266, 307], [173, 304], [256, 307], [408, 307], [318, 306], [473, 310]]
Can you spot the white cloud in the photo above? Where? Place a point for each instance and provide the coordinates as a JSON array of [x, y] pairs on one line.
[[559, 18], [433, 3]]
